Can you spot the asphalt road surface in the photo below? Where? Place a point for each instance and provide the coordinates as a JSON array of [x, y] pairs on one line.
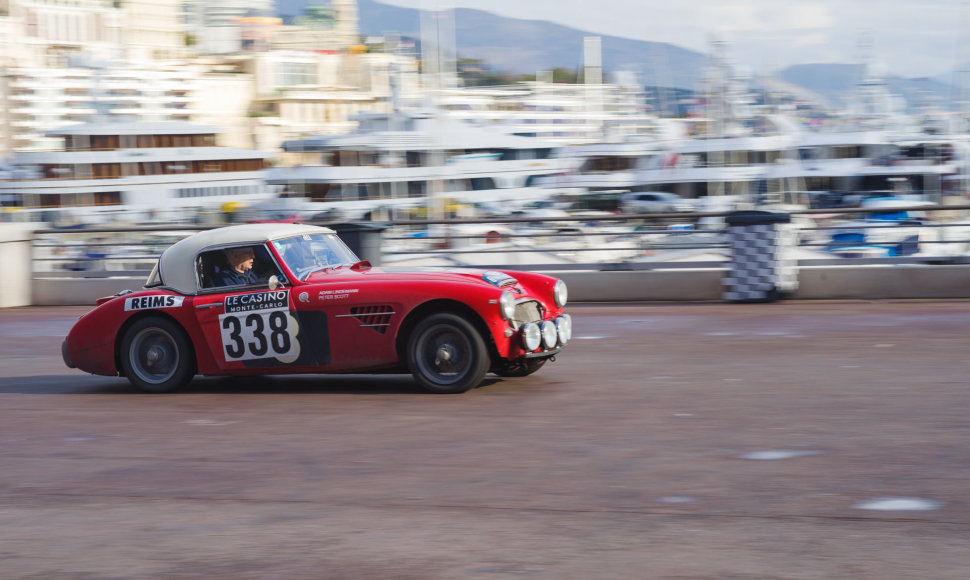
[[681, 441]]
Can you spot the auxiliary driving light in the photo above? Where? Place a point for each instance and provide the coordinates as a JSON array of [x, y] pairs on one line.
[[531, 336], [564, 327], [549, 335]]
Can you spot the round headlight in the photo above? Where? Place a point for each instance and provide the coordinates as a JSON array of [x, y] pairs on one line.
[[549, 335], [564, 325], [559, 293], [531, 337], [507, 305]]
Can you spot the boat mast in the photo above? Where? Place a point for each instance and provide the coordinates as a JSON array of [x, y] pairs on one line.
[[593, 80], [715, 94], [438, 74], [963, 127]]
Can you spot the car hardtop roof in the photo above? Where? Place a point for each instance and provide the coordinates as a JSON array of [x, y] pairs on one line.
[[176, 263], [245, 233]]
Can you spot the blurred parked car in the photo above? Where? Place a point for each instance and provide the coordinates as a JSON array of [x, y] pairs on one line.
[[654, 202]]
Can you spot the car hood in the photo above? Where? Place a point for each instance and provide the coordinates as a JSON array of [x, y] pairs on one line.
[[494, 278]]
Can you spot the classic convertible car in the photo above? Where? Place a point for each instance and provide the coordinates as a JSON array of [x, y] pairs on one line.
[[290, 298]]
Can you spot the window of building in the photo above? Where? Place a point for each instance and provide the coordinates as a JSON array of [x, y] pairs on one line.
[[107, 198], [481, 183], [295, 73], [417, 188]]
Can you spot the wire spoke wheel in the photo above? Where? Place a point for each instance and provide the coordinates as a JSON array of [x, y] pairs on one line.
[[156, 356], [446, 354]]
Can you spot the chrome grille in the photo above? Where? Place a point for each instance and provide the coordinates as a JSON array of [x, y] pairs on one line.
[[526, 311]]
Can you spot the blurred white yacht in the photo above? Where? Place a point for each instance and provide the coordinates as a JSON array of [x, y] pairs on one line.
[[132, 171], [781, 163], [919, 164], [603, 166], [843, 168], [612, 164], [409, 159], [750, 164], [878, 147], [831, 161]]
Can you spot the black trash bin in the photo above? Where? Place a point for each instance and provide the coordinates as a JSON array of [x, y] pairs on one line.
[[364, 238], [764, 265]]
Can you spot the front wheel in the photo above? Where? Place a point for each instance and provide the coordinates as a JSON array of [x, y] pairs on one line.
[[446, 354], [521, 368], [156, 356]]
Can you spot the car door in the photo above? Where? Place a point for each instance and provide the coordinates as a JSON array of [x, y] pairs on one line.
[[361, 318], [247, 327]]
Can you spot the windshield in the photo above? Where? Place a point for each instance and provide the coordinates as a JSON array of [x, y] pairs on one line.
[[309, 253]]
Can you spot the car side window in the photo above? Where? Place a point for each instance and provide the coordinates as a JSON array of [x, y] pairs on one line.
[[210, 265], [233, 266], [265, 266]]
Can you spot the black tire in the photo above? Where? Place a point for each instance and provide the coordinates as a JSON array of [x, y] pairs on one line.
[[446, 354], [156, 355], [522, 368]]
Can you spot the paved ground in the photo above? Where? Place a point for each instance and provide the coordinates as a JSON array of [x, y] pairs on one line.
[[676, 441]]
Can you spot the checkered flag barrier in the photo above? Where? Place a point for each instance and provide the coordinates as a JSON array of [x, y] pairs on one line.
[[764, 266]]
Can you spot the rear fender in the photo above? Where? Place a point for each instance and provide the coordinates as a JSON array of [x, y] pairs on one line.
[[145, 314]]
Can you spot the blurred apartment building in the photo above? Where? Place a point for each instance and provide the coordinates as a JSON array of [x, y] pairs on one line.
[[589, 111], [231, 65], [234, 65], [212, 24], [558, 112]]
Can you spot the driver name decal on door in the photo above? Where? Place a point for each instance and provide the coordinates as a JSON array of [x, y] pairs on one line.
[[258, 325]]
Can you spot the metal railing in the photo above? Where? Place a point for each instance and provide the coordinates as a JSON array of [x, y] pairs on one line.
[[578, 242]]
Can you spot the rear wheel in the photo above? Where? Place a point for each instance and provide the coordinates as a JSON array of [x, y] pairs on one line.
[[446, 354], [156, 356], [521, 368]]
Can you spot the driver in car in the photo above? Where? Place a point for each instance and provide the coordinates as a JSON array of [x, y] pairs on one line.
[[240, 270]]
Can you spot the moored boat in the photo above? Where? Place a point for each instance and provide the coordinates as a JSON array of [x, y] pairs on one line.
[[134, 172]]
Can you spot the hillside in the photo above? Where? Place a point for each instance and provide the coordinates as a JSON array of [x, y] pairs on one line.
[[516, 46], [510, 45]]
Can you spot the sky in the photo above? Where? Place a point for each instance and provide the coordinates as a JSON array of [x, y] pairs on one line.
[[911, 38]]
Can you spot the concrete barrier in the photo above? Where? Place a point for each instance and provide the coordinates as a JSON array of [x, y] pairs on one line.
[[698, 284], [15, 258], [884, 281], [874, 282], [80, 291]]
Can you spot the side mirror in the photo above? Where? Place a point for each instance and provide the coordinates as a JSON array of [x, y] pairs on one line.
[[276, 281]]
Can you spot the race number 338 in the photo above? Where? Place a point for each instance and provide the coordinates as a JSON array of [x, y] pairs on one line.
[[260, 327]]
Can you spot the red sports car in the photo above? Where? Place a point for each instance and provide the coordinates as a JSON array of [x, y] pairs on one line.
[[291, 298]]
